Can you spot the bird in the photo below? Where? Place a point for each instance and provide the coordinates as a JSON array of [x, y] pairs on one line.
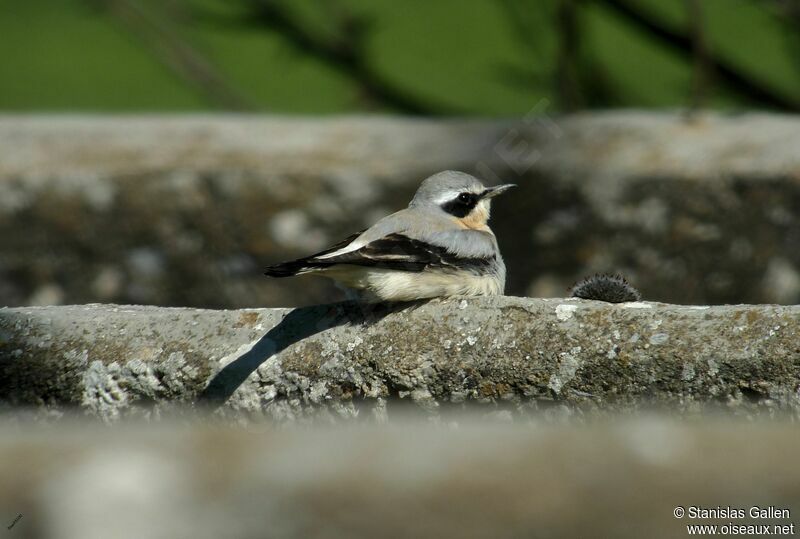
[[439, 246]]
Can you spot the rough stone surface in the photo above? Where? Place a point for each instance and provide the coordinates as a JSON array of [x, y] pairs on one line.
[[187, 210], [504, 356]]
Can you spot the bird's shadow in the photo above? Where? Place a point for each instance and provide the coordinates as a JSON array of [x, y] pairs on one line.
[[299, 324]]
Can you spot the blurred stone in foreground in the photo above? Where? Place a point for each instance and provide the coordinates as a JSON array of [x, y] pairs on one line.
[[510, 358], [474, 480], [185, 211]]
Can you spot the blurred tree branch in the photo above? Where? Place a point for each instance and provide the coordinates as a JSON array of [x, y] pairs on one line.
[[346, 53], [568, 79], [700, 70], [785, 8], [528, 32], [522, 21], [743, 84], [177, 54], [578, 81], [787, 12]]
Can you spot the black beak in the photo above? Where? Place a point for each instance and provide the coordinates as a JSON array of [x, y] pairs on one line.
[[496, 190]]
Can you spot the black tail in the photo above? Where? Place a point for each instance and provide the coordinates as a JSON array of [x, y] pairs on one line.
[[303, 265], [290, 269]]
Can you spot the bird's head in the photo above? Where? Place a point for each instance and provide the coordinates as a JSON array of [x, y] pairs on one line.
[[459, 195]]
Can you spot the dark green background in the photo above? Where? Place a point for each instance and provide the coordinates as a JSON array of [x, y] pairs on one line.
[[449, 57]]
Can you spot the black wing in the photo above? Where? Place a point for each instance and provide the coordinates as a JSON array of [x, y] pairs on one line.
[[293, 267], [395, 251]]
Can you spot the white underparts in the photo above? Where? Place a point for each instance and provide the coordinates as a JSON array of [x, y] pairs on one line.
[[391, 285]]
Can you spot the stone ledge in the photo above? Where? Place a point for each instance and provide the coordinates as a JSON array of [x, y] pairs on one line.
[[505, 355]]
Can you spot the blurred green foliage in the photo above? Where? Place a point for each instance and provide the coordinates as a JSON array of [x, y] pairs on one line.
[[413, 56]]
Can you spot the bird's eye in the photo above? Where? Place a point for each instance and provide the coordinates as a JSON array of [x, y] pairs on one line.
[[463, 197]]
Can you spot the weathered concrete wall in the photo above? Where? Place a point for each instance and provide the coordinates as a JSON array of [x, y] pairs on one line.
[[502, 356], [475, 481], [186, 210]]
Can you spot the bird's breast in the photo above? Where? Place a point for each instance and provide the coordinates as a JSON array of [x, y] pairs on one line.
[[475, 220], [391, 285]]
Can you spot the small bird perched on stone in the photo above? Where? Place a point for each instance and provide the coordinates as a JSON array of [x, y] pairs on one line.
[[439, 246]]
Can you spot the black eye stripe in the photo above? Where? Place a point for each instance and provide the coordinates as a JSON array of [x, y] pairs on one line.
[[462, 204]]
